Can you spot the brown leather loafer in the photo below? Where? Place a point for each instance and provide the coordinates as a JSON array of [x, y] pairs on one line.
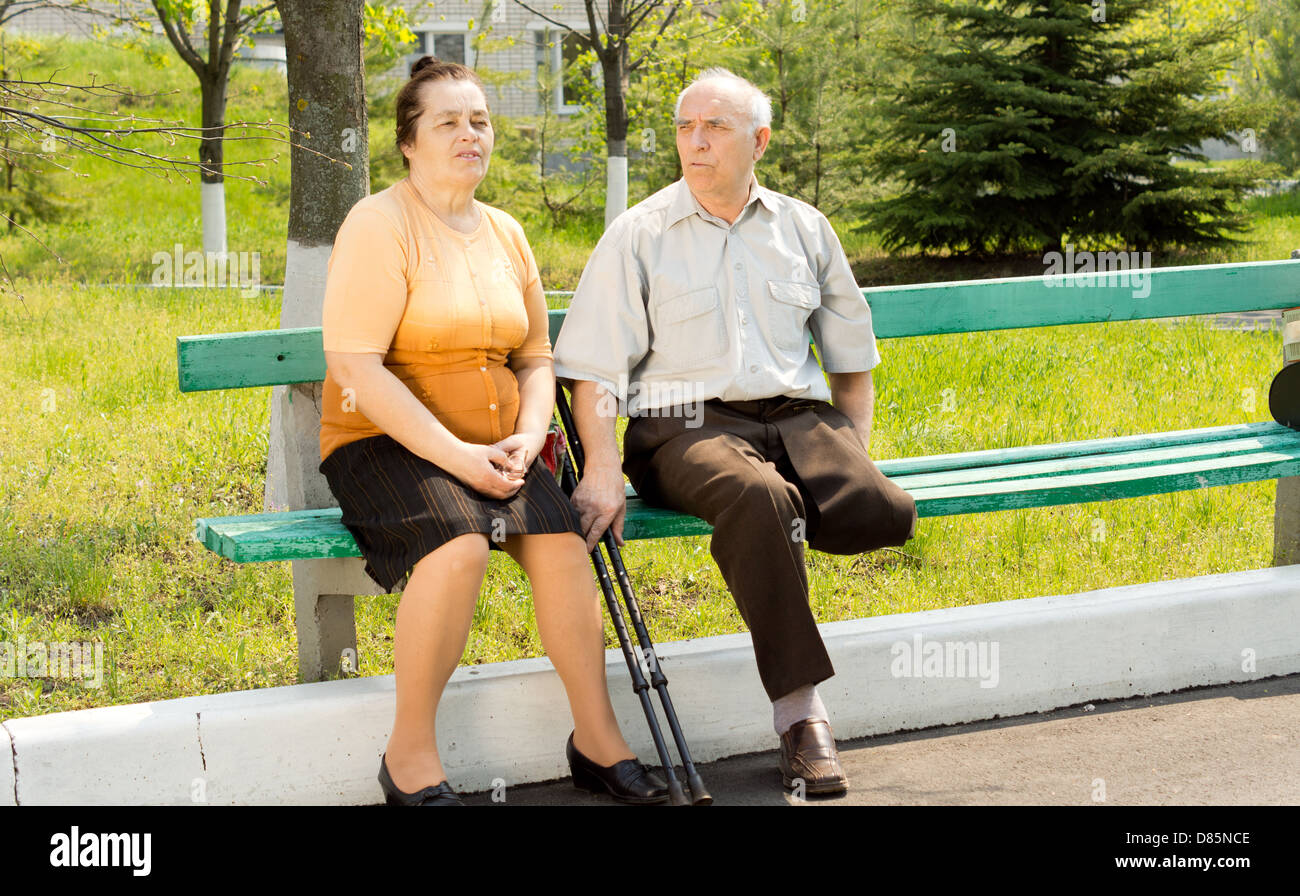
[[808, 753]]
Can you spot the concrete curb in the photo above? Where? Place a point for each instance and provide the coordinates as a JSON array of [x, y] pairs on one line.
[[6, 769], [506, 723]]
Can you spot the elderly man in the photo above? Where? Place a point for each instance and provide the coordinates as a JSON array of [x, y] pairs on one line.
[[694, 314]]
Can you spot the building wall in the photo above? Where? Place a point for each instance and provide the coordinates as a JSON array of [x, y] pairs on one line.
[[509, 57], [46, 20]]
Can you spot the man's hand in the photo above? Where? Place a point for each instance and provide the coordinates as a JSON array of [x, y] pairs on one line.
[[599, 497], [601, 503]]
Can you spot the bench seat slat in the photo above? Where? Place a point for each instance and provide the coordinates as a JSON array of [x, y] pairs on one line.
[[1151, 457], [1106, 485], [286, 535], [320, 534], [992, 457]]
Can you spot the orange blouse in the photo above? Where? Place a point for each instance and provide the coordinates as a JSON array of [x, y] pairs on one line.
[[469, 303]]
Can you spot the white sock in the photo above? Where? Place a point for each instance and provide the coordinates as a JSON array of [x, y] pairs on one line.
[[801, 703]]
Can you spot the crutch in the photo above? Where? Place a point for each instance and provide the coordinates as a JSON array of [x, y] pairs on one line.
[[658, 680]]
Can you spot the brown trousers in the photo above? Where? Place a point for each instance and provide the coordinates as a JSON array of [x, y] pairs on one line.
[[769, 475]]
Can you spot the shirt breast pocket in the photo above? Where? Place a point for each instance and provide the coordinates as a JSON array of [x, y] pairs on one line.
[[689, 328], [793, 303]]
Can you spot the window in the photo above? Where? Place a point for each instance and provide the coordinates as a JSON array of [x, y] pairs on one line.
[[558, 52], [452, 46]]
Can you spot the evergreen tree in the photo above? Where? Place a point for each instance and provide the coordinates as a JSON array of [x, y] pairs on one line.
[[1282, 74], [1037, 123]]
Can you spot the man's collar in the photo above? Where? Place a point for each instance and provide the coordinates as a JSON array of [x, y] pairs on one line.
[[685, 204], [762, 194]]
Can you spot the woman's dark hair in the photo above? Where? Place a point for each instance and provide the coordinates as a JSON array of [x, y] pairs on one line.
[[425, 70]]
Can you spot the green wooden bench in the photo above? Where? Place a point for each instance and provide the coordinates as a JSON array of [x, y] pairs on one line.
[[328, 571]]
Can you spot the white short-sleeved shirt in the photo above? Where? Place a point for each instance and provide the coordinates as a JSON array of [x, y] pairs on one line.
[[676, 305]]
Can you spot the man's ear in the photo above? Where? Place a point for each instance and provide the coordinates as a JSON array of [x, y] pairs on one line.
[[761, 136]]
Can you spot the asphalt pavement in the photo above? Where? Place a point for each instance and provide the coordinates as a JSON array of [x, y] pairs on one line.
[[1214, 746]]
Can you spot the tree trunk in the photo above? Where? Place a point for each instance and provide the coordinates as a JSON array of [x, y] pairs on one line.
[[615, 134], [327, 110], [212, 184], [613, 65]]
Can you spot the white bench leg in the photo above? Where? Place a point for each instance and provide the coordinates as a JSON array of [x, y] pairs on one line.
[[323, 593]]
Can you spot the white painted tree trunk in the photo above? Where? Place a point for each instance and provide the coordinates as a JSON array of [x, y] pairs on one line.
[[293, 478], [212, 202], [615, 187]]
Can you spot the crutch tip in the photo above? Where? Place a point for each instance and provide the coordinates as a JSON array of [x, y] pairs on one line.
[[702, 797], [676, 795]]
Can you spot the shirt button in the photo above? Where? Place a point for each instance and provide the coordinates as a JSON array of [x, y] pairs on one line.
[[484, 369], [753, 368], [492, 407], [739, 266]]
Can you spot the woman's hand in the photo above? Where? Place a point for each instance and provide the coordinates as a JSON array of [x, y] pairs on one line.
[[522, 448], [484, 469]]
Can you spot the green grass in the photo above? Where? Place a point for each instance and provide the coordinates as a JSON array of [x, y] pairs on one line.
[[104, 465], [117, 218]]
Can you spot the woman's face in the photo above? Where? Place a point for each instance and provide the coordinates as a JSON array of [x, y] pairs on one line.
[[452, 139]]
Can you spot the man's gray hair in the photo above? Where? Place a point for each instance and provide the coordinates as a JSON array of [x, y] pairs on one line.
[[760, 107]]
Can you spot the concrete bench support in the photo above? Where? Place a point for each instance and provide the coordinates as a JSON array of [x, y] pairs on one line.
[[326, 619], [1286, 522]]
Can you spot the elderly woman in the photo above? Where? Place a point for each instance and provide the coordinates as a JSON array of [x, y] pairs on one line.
[[437, 399]]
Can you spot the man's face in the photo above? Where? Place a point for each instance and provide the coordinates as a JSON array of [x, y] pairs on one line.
[[716, 140]]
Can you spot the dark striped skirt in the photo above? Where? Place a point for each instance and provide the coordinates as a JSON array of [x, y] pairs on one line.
[[400, 507]]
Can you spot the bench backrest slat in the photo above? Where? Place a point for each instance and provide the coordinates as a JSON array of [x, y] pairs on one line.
[[971, 306], [276, 357], [255, 358]]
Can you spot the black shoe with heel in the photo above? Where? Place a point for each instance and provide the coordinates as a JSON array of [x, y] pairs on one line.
[[433, 795], [627, 781]]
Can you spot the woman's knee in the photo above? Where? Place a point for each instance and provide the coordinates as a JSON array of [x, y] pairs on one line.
[[461, 557], [545, 556]]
